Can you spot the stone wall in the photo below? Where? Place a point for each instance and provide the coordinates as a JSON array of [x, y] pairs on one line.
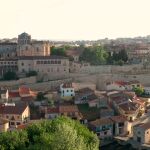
[[114, 69], [14, 83]]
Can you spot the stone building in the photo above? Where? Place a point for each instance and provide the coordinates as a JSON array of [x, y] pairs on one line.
[[8, 50], [43, 64], [28, 55]]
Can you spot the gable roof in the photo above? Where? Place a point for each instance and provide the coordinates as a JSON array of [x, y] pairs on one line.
[[68, 108], [24, 90], [118, 118], [144, 126], [102, 121], [17, 109]]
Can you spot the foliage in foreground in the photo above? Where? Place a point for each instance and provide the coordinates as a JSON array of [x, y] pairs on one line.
[[58, 134]]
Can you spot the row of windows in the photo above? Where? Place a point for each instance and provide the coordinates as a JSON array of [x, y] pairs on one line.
[[48, 70], [49, 62], [12, 62]]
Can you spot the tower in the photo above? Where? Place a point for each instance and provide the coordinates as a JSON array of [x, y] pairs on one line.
[[24, 38]]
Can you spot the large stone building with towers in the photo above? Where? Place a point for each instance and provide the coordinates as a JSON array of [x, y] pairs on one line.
[[30, 55]]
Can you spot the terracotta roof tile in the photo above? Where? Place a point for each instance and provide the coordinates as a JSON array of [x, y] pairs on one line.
[[17, 109], [102, 121], [118, 118]]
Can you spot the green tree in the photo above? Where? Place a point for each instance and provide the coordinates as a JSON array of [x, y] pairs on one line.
[[139, 91], [123, 55], [10, 75], [60, 51], [59, 134], [40, 96], [96, 55]]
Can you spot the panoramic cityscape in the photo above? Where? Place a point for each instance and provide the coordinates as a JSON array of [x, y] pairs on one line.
[[71, 79]]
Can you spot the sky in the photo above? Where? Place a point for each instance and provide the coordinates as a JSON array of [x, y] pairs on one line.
[[74, 19]]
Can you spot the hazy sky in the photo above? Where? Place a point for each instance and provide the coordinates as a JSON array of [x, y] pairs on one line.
[[75, 19]]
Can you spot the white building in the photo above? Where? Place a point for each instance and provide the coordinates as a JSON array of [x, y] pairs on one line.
[[4, 95], [147, 90], [141, 133], [67, 91]]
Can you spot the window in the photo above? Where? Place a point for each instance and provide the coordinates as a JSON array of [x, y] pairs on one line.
[[26, 47], [121, 124], [147, 132], [22, 64], [139, 132], [67, 90], [105, 133], [37, 49], [12, 123], [18, 123]]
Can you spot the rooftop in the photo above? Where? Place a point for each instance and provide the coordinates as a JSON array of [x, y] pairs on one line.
[[68, 108], [118, 118], [144, 126], [102, 121], [18, 108]]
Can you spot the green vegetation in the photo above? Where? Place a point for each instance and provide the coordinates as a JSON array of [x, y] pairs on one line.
[[98, 55], [95, 55], [59, 51], [10, 75], [40, 96], [31, 73], [58, 134], [139, 91]]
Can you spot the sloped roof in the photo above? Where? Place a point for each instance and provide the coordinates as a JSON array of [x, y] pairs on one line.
[[17, 109]]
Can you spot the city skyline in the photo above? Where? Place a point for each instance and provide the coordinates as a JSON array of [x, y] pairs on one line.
[[75, 19]]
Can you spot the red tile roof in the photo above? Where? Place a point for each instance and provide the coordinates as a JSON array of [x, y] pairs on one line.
[[118, 118], [24, 90], [102, 121], [17, 109], [68, 108], [53, 110], [13, 94]]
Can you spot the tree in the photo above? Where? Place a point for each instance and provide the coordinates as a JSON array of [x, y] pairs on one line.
[[123, 55], [59, 134], [60, 51], [40, 96], [10, 75], [139, 91], [96, 55]]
